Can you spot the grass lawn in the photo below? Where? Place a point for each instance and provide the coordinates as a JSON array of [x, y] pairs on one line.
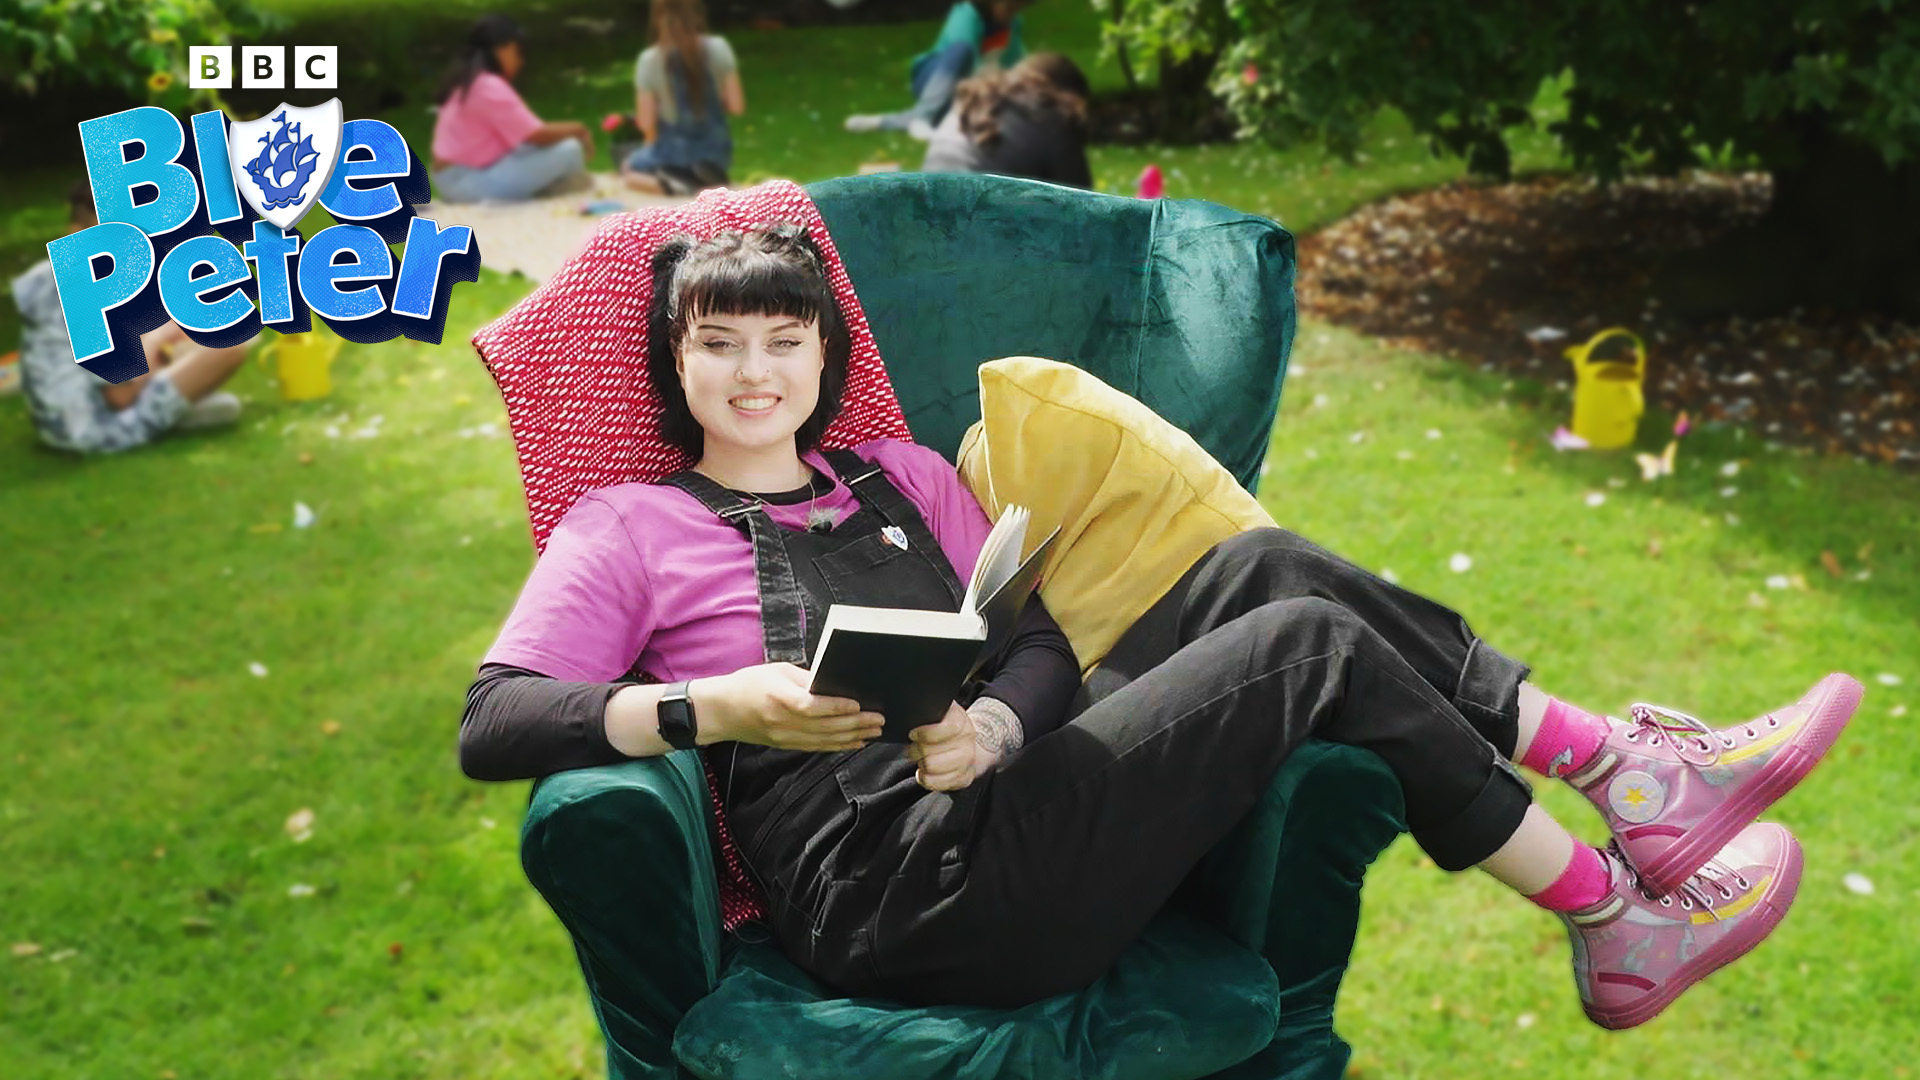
[[179, 929]]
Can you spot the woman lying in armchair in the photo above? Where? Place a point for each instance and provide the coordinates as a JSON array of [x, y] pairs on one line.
[[1018, 846]]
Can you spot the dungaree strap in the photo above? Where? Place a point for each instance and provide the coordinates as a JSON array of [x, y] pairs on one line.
[[878, 494], [781, 606]]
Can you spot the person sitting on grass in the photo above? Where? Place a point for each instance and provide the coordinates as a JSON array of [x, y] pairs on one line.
[[486, 143], [1015, 848], [685, 85], [73, 409], [1028, 121], [978, 36]]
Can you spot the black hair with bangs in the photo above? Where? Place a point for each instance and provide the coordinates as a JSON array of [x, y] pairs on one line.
[[769, 270]]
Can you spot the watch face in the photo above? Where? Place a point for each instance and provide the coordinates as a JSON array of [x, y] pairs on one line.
[[676, 722]]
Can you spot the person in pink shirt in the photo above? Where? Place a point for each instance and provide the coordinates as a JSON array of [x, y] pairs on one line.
[[486, 143], [1014, 848]]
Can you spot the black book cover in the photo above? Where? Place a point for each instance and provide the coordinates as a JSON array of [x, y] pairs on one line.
[[908, 679]]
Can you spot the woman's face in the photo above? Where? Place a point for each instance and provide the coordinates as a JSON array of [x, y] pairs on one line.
[[751, 380], [509, 58]]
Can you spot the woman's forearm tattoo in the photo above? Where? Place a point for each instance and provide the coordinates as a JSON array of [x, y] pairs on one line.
[[996, 727]]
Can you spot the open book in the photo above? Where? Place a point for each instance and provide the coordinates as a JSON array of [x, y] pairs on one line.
[[907, 664]]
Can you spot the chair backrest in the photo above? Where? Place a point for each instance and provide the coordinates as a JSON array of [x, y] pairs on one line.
[[1185, 305]]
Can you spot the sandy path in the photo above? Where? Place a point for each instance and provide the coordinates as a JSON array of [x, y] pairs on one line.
[[536, 237]]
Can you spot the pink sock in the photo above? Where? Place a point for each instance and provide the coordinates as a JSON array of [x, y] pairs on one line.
[[1568, 738], [1583, 883]]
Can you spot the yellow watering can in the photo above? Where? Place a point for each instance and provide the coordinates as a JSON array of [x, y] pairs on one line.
[[1608, 395], [302, 364]]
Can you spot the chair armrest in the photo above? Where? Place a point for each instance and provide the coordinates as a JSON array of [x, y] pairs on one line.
[[1330, 811], [622, 855]]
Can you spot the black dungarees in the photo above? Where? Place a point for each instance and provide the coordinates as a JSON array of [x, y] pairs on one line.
[[813, 827], [1034, 878]]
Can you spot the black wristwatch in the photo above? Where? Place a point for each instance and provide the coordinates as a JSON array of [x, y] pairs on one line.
[[677, 725]]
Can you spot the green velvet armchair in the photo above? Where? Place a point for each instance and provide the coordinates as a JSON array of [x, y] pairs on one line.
[[1187, 306]]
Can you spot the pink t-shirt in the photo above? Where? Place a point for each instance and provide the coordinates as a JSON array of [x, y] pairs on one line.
[[478, 127], [646, 570]]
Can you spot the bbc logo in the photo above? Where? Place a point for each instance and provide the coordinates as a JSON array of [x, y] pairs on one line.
[[263, 67]]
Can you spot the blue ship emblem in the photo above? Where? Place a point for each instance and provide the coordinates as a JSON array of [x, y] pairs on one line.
[[285, 165], [283, 161]]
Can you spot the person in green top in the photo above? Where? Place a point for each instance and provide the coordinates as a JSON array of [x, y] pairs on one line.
[[979, 35]]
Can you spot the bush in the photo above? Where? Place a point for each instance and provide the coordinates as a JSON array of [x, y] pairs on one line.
[[138, 47]]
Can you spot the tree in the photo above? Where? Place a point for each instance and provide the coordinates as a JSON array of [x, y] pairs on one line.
[[1182, 52], [1824, 94]]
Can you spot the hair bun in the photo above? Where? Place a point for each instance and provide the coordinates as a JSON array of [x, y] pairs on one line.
[[792, 237], [670, 253]]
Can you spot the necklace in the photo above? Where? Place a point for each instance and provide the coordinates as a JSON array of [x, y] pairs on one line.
[[819, 518]]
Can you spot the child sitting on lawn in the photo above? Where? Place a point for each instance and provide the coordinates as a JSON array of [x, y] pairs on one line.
[[74, 409], [979, 36], [488, 146], [685, 85], [1029, 121]]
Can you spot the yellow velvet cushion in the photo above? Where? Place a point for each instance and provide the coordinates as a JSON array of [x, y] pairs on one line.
[[1137, 500]]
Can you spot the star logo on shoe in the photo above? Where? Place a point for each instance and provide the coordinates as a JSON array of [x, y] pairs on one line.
[[1636, 797]]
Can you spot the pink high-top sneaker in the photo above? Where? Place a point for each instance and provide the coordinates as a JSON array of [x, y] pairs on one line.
[[1634, 952], [1673, 790]]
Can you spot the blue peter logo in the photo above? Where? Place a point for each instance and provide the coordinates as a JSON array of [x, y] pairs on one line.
[[199, 230]]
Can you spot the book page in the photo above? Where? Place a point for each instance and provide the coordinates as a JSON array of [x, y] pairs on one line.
[[910, 622], [1000, 609], [999, 557]]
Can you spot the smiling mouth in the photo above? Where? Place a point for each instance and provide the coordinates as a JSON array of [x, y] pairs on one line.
[[756, 403]]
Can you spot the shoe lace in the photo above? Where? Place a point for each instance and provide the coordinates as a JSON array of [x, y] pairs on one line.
[[1696, 743], [1698, 891]]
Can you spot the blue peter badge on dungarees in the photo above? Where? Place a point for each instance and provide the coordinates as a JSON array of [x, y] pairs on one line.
[[896, 536]]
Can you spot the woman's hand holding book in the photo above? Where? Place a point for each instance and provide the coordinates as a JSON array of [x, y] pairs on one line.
[[945, 751], [769, 705]]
